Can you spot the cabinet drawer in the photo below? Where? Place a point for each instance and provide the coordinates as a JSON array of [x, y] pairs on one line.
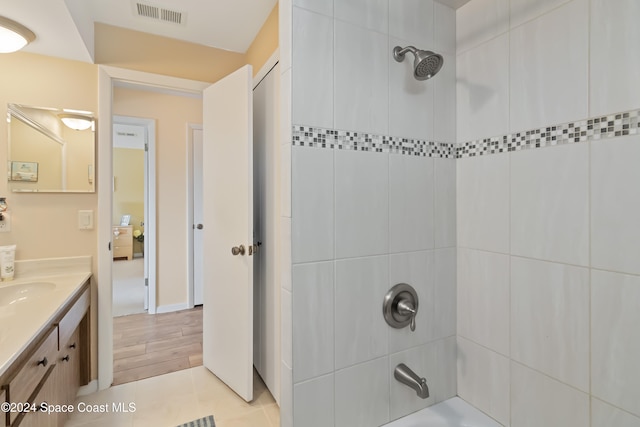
[[123, 251], [33, 370], [69, 323], [3, 398], [122, 241]]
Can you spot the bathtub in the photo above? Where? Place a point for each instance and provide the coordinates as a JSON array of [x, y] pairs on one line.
[[453, 412]]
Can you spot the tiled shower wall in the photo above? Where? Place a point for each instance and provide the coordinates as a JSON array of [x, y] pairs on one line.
[[549, 238], [365, 217]]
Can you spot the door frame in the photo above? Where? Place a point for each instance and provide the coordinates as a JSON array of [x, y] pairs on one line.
[[190, 211], [108, 76], [150, 202]]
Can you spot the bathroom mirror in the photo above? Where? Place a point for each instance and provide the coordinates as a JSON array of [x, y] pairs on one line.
[[50, 150]]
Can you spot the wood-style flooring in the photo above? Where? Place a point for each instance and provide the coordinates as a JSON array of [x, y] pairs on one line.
[[147, 345]]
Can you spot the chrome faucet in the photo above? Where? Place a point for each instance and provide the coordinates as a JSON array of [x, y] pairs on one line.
[[406, 376]]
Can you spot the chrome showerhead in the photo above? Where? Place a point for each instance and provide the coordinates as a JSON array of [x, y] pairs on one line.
[[426, 63]]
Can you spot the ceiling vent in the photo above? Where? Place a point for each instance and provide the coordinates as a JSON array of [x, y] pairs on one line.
[[159, 13]]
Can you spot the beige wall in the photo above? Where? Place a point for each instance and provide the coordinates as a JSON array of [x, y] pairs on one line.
[[265, 42], [172, 114], [46, 225], [128, 193]]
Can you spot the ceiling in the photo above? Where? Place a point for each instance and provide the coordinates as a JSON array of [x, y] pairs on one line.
[[65, 28]]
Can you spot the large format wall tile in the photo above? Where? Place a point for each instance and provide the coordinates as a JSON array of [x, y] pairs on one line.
[[615, 57], [312, 64], [312, 205], [521, 11], [413, 20], [479, 21], [615, 204], [550, 204], [537, 400], [362, 394], [313, 402], [362, 204], [324, 7], [445, 203], [604, 415], [444, 29], [370, 14], [411, 203], [313, 338], [483, 202], [360, 329], [444, 105], [483, 379], [615, 348], [445, 293], [361, 79], [483, 298], [483, 90], [549, 68], [550, 319]]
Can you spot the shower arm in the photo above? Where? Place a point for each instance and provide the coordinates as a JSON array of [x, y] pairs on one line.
[[398, 52]]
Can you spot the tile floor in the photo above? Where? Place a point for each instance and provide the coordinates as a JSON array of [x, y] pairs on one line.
[[172, 399]]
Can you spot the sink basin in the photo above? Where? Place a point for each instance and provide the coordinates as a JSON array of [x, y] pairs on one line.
[[13, 294]]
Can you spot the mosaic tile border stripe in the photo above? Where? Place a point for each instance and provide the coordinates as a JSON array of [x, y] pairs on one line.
[[602, 127], [593, 129], [305, 136]]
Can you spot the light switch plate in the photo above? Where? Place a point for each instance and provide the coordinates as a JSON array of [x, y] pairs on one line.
[[85, 220]]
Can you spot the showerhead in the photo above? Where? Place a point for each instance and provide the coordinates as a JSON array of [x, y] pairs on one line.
[[426, 64]]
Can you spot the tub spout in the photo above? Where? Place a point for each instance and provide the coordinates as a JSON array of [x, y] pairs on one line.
[[406, 376]]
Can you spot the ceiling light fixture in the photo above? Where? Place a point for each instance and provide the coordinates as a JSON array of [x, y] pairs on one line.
[[13, 36], [76, 121]]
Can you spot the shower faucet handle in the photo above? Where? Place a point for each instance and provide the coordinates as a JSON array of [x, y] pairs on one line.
[[405, 308]]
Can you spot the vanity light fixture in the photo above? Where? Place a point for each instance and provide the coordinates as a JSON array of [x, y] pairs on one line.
[[14, 36], [76, 121]]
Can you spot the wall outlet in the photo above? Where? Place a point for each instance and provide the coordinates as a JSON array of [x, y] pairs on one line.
[[5, 224]]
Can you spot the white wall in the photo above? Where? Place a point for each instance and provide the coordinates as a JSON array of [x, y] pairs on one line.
[[548, 238], [362, 221]]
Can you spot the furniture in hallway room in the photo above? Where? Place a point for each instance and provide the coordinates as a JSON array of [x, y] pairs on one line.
[[122, 241]]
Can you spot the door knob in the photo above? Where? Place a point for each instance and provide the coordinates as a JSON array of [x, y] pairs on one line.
[[237, 250], [199, 226]]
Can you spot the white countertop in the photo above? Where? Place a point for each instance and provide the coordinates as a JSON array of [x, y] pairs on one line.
[[21, 322]]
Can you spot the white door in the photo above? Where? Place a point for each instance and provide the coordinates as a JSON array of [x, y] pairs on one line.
[[198, 221], [227, 160]]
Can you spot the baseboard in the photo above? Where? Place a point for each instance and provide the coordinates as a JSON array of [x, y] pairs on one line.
[[138, 255], [171, 307], [92, 387]]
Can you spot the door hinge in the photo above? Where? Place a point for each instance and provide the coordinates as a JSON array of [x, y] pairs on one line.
[[146, 146], [109, 246], [146, 281]]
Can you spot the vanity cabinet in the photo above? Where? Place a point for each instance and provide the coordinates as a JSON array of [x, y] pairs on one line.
[[53, 366], [123, 241]]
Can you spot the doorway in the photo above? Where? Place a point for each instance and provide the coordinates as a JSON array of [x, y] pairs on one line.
[[133, 215], [111, 78]]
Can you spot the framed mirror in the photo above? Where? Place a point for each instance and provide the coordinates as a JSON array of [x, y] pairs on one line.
[[50, 150]]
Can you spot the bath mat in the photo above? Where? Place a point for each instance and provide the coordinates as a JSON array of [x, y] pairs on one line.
[[201, 422]]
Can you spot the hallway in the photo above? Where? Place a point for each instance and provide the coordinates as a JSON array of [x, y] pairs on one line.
[[147, 345]]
